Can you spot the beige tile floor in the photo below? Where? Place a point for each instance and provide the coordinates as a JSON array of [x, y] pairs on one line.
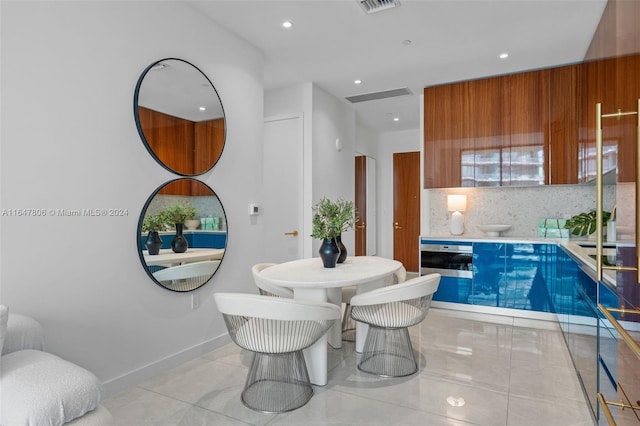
[[475, 369]]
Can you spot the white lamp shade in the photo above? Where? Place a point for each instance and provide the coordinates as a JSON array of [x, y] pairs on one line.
[[456, 203]]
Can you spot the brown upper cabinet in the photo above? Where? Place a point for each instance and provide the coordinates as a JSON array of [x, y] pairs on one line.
[[487, 132], [615, 84], [192, 147], [531, 128]]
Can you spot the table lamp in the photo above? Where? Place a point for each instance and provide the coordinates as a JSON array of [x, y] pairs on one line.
[[456, 204]]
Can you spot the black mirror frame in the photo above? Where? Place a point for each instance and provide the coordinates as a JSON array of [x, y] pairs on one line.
[[141, 132], [139, 243]]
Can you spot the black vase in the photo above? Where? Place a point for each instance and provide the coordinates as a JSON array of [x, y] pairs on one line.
[[329, 252], [179, 243], [342, 248], [153, 243]]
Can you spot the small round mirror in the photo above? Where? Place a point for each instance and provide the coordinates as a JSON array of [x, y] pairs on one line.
[[182, 234], [179, 117]]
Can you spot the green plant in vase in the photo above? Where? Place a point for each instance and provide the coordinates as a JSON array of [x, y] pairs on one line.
[[584, 224], [330, 220], [177, 214], [153, 224]]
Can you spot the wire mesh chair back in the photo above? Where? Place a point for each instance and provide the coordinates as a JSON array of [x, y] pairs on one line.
[[389, 311], [265, 287], [276, 330]]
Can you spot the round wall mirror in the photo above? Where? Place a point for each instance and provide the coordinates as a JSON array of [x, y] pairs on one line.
[[182, 234], [179, 117]]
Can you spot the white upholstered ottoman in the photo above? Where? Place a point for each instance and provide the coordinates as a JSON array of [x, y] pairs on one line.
[[39, 388]]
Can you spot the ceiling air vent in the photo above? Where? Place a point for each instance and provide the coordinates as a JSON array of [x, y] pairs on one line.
[[379, 95], [372, 6]]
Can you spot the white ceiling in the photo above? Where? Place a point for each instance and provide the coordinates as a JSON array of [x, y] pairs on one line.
[[334, 42]]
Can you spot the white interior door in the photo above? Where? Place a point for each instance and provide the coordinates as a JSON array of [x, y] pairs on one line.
[[283, 183]]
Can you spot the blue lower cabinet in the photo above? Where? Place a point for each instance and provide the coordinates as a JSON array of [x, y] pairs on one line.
[[194, 239], [530, 277], [208, 240], [453, 289], [489, 267]]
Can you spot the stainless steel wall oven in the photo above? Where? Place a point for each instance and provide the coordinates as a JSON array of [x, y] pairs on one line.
[[447, 260]]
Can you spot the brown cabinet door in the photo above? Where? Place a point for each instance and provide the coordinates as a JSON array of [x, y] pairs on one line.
[[171, 140], [528, 117], [627, 89], [489, 131], [613, 83], [447, 130], [563, 125]]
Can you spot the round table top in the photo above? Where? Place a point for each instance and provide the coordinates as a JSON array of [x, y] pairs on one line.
[[310, 273]]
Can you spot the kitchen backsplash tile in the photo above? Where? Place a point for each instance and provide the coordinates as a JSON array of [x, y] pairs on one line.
[[520, 207]]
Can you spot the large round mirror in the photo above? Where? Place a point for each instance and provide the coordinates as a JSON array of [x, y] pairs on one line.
[[182, 234], [179, 117]]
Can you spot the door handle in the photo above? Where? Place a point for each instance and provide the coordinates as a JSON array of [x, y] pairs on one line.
[[397, 226], [363, 226], [294, 233], [600, 196]]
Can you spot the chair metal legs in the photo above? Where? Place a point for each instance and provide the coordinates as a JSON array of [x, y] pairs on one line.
[[388, 353], [348, 326], [277, 383]]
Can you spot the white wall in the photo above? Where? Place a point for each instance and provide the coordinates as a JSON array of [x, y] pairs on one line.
[[69, 141], [390, 143], [333, 170]]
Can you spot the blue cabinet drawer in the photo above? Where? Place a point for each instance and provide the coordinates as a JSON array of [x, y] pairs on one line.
[[453, 289]]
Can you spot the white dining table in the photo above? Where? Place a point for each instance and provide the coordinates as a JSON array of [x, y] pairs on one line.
[[310, 280], [167, 257]]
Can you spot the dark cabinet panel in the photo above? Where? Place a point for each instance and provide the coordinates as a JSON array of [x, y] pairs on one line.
[[447, 128], [615, 84], [563, 124], [487, 132]]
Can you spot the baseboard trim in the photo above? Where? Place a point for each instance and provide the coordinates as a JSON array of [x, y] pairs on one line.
[[515, 313], [139, 375]]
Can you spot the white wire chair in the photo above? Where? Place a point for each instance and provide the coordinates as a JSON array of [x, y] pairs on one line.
[[266, 288], [276, 330], [188, 276], [389, 311], [348, 324]]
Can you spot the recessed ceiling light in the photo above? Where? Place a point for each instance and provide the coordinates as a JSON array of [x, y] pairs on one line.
[[203, 109], [287, 24], [504, 55], [396, 119], [357, 81]]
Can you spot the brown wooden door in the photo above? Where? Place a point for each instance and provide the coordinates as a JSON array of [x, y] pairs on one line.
[[361, 205], [406, 209]]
